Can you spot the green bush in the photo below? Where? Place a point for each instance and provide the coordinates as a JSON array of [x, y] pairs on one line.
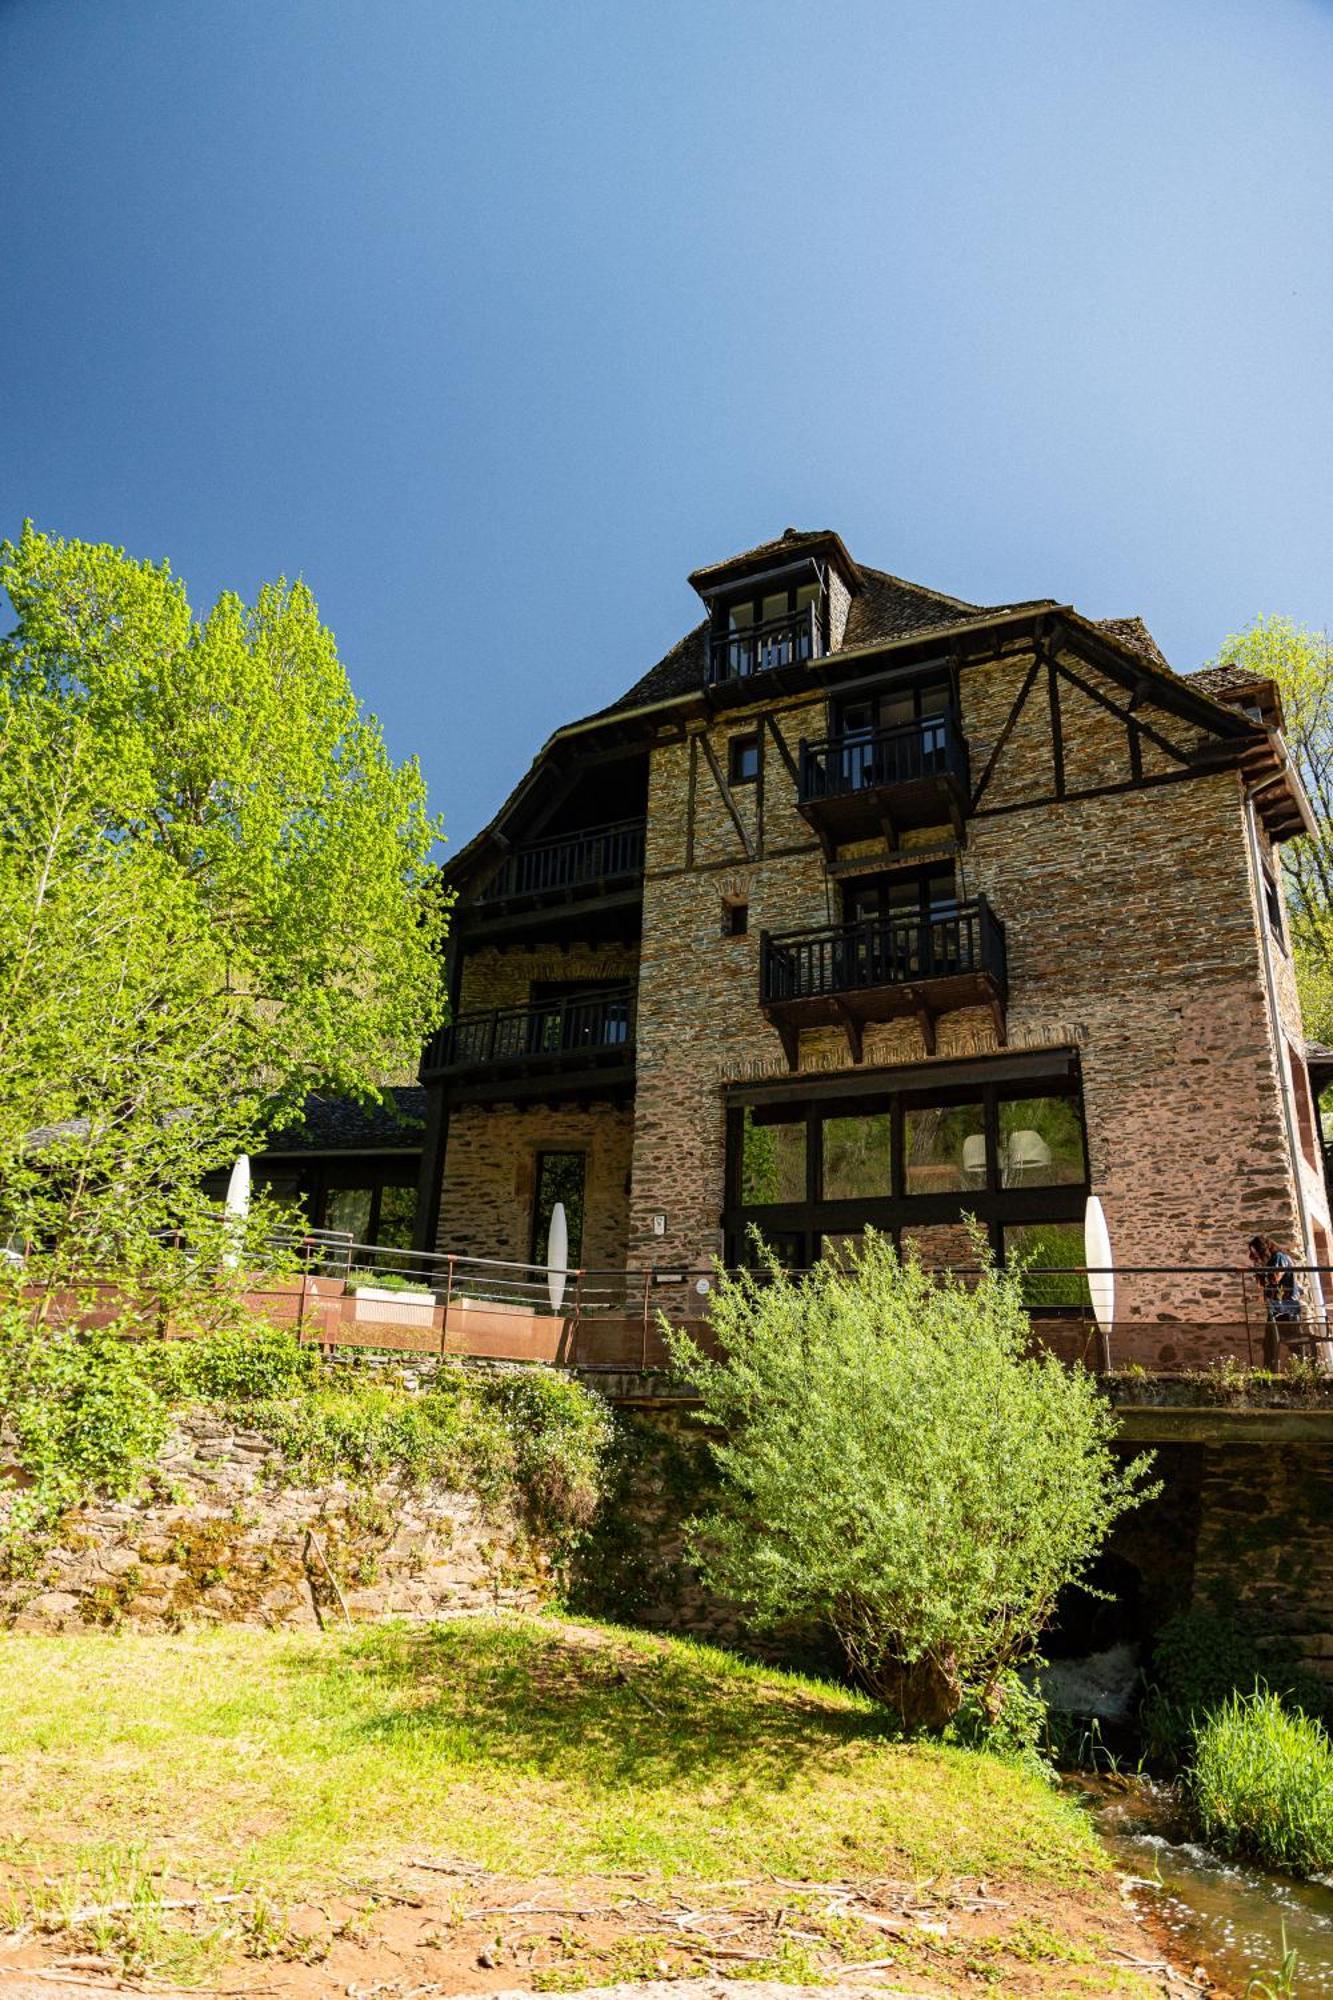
[[1262, 1784], [893, 1462], [342, 1427], [83, 1417], [238, 1364], [559, 1434], [1199, 1658], [88, 1413]]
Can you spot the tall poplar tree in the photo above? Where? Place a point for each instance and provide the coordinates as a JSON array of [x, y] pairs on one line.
[[216, 891]]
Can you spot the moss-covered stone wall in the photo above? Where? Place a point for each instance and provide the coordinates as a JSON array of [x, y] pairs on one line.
[[222, 1534]]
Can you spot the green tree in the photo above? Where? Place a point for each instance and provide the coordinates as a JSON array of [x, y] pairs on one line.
[[1300, 661], [216, 891], [894, 1463]]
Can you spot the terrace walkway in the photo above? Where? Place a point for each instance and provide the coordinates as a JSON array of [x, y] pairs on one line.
[[352, 1296]]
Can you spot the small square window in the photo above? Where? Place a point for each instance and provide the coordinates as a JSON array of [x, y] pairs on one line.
[[744, 759], [1273, 905], [735, 919]]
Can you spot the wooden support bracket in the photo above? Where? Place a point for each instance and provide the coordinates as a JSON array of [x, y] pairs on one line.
[[851, 1027]]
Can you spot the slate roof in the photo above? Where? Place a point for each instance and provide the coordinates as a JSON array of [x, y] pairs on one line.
[[1224, 680], [1132, 632], [885, 608], [341, 1125], [789, 543]]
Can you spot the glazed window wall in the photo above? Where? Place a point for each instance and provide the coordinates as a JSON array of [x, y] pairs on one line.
[[812, 1175]]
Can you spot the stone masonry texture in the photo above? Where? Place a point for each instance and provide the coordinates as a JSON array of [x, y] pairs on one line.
[[1132, 928], [233, 1544]]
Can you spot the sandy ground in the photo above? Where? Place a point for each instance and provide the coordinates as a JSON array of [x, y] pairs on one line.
[[438, 1929]]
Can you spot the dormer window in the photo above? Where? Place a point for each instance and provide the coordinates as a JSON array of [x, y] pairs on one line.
[[777, 625]]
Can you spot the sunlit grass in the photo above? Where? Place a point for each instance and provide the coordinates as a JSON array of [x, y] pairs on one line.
[[255, 1759], [1262, 1784]]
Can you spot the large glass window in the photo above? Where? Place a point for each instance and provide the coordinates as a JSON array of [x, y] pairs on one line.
[[559, 1177], [348, 1211], [1006, 1153], [1052, 1254], [772, 1161], [857, 1157], [398, 1214], [771, 629], [944, 1148], [1040, 1142]]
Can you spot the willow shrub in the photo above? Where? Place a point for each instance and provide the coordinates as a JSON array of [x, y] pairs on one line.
[[893, 1462], [1262, 1784]]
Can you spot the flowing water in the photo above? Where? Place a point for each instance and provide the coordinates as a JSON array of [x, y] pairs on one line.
[[1228, 1918]]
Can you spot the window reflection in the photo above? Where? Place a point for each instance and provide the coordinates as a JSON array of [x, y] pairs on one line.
[[944, 1148]]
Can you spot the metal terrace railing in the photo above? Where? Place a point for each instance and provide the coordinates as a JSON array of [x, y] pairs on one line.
[[886, 951], [594, 1024], [570, 861], [1171, 1320], [756, 649], [837, 765]]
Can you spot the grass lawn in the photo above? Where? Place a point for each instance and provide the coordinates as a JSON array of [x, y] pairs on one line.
[[275, 1766]]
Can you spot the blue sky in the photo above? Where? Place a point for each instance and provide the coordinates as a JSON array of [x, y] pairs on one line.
[[493, 320]]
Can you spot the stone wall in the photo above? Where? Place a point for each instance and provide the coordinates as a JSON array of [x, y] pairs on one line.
[[224, 1538], [496, 977], [1265, 1516], [490, 1176], [1132, 924]]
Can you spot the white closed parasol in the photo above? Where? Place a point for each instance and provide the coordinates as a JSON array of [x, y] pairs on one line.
[[557, 1256], [237, 1209], [1100, 1263]]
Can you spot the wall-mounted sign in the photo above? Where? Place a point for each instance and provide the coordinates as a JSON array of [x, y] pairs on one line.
[[659, 1225]]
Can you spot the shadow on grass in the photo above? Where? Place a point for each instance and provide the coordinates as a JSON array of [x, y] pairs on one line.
[[591, 1709]]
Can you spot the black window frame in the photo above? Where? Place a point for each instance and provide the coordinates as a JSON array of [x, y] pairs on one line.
[[737, 748], [993, 1205], [1273, 906], [537, 1250], [754, 593], [879, 879], [873, 694]]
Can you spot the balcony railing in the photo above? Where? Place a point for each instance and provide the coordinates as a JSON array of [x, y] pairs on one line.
[[756, 649], [888, 951], [837, 765], [571, 861], [543, 1034]]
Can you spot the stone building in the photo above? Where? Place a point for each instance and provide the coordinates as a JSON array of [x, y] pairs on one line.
[[868, 906]]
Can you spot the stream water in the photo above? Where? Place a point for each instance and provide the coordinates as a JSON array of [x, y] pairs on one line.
[[1227, 1918]]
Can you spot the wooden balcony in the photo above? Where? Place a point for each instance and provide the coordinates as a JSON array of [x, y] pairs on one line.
[[571, 865], [855, 787], [580, 1045], [761, 649], [850, 974]]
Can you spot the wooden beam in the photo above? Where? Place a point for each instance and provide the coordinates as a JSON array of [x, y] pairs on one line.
[[689, 801], [1146, 728], [747, 847], [1057, 730], [851, 1027], [925, 1020], [1004, 735], [783, 751]]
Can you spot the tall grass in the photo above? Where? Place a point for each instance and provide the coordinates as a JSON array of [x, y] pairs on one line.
[[1262, 1784]]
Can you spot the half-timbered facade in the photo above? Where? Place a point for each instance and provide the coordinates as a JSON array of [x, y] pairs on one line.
[[868, 906]]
